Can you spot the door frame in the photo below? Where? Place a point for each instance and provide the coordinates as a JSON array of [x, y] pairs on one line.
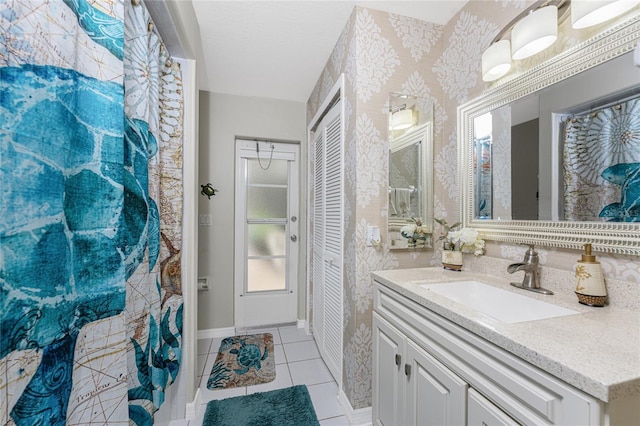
[[336, 92]]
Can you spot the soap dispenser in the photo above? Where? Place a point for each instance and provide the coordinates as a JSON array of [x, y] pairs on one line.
[[590, 287]]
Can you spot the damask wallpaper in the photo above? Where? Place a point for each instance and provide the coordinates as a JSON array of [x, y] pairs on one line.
[[381, 53]]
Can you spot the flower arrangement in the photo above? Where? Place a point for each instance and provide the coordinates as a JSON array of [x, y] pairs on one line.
[[414, 232], [465, 240]]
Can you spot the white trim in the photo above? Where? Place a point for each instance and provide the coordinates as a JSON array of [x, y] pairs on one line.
[[336, 91], [303, 324], [189, 255], [212, 333], [191, 409], [360, 417]]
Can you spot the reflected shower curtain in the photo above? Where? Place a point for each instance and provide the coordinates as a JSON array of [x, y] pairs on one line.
[[602, 164], [82, 239], [483, 167]]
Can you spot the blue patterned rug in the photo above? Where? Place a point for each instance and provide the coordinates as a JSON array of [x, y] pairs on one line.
[[283, 407], [243, 361]]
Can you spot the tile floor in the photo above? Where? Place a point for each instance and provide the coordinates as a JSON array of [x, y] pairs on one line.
[[297, 362]]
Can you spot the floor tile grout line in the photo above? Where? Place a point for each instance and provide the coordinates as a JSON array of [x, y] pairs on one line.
[[287, 363]]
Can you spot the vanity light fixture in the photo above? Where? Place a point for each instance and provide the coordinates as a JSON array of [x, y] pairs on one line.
[[535, 32], [536, 28], [586, 13], [402, 119], [496, 60]]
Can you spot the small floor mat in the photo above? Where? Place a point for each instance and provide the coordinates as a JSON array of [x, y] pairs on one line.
[[282, 407], [243, 361]]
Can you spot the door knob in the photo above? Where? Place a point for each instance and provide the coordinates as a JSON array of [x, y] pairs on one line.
[[294, 238], [407, 370], [398, 359]]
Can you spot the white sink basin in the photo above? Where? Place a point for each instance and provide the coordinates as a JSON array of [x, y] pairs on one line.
[[503, 305]]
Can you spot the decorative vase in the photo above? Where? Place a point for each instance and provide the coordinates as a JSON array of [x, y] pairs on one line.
[[452, 260]]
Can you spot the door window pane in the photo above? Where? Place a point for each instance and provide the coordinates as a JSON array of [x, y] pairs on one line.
[[266, 202], [276, 174], [266, 274], [266, 240]]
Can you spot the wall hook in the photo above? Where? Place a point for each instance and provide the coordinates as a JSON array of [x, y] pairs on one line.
[[208, 190]]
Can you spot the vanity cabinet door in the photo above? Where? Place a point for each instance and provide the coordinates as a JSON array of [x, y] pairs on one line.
[[435, 395], [389, 347], [483, 413]]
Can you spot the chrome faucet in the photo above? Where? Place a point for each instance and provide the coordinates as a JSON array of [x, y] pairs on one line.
[[529, 265]]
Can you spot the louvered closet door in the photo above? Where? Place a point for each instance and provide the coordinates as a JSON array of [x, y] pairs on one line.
[[328, 234], [318, 237]]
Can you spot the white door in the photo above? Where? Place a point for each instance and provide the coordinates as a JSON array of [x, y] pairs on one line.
[[266, 230]]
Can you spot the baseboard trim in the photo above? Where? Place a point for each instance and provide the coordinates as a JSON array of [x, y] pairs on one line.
[[360, 417], [191, 409], [212, 333]]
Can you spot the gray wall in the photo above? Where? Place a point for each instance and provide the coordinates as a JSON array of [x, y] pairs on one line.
[[524, 171], [222, 118]]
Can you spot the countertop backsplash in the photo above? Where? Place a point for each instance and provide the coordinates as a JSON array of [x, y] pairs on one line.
[[622, 294]]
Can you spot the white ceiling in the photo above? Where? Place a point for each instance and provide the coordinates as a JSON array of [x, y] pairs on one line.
[[277, 49]]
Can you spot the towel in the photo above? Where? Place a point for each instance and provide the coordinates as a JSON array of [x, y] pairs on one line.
[[392, 203], [403, 201]]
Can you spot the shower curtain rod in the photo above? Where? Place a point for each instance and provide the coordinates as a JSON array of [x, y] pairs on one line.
[[152, 27], [605, 103]]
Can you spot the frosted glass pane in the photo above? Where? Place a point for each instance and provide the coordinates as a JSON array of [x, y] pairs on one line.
[[276, 174], [266, 203], [266, 240], [266, 274]]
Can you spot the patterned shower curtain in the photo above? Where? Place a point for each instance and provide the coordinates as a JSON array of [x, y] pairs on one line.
[[90, 214], [602, 164], [153, 141]]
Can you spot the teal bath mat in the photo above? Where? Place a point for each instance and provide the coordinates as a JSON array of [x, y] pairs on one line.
[[243, 361], [283, 407]]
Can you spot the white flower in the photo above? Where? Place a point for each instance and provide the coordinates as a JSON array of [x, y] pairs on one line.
[[468, 240], [408, 229]]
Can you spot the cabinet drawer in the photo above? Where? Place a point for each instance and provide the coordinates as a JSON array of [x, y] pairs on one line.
[[528, 394], [481, 412]]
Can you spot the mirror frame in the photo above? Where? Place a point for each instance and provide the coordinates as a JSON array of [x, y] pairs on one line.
[[607, 237], [423, 133]]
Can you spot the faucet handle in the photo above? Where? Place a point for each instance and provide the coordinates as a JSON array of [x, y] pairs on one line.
[[531, 256]]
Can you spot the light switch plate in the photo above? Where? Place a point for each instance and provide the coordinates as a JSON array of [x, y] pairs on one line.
[[204, 219]]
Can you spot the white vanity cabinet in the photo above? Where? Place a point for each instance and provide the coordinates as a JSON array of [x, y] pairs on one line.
[[409, 385], [427, 370]]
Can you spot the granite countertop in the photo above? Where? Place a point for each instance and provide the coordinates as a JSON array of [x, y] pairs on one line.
[[596, 351]]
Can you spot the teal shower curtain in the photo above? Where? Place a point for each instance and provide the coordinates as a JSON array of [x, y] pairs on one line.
[[90, 213]]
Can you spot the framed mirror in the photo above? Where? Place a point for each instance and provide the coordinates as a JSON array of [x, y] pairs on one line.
[[410, 201], [551, 157]]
